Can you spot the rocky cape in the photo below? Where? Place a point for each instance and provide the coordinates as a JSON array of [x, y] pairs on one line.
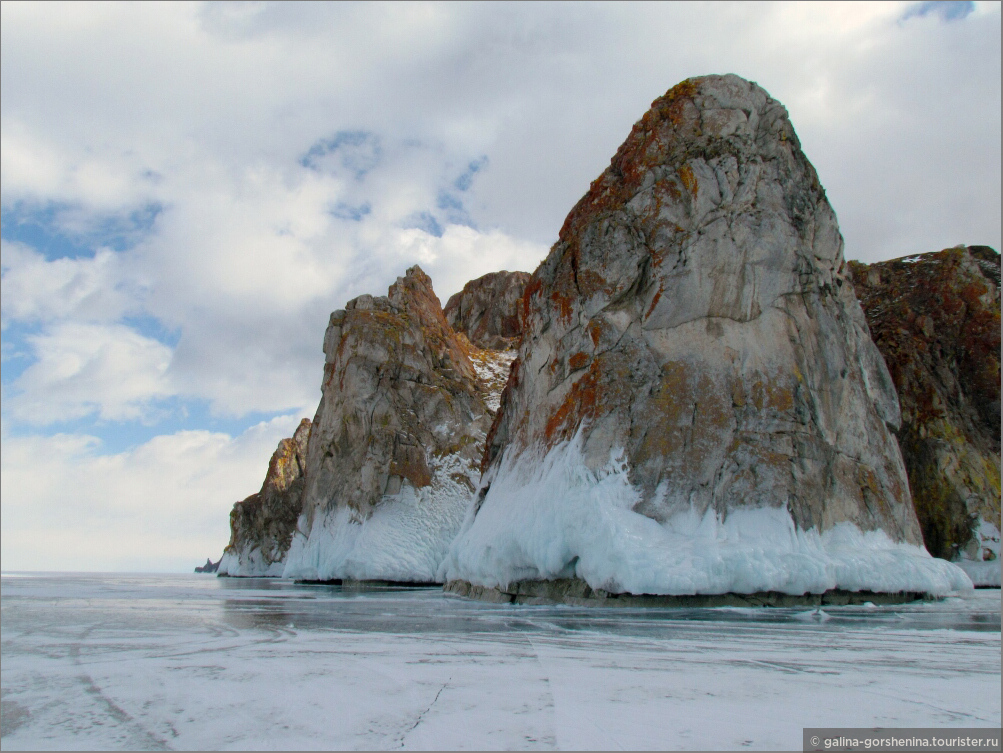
[[697, 406], [376, 486], [936, 320], [262, 526]]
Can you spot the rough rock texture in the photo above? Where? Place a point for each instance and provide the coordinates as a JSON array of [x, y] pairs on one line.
[[487, 310], [261, 526], [695, 312], [936, 320], [394, 450], [694, 323]]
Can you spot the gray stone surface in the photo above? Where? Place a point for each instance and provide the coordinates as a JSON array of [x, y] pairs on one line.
[[261, 526], [398, 388], [696, 313], [487, 310], [394, 453]]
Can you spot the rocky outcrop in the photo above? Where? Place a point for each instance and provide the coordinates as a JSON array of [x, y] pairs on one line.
[[396, 442], [487, 310], [936, 320], [208, 567], [261, 526], [697, 406]]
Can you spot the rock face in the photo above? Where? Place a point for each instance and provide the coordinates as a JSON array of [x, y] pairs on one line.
[[261, 526], [395, 445], [697, 406], [936, 320], [487, 310], [208, 567]]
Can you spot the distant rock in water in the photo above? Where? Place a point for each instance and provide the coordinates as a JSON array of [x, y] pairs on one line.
[[697, 406], [936, 320], [395, 446], [261, 526], [208, 567], [487, 310]]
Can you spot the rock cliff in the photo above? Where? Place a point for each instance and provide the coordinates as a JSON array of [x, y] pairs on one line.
[[487, 310], [261, 526], [936, 320], [697, 406], [394, 450]]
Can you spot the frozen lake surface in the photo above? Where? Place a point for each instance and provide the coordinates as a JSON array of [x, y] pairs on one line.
[[197, 662]]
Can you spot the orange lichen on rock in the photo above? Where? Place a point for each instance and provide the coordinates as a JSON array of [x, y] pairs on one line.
[[644, 147], [687, 178], [704, 330], [581, 404], [936, 319]]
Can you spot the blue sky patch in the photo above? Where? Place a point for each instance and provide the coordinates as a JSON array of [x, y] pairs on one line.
[[948, 10], [153, 328], [355, 151], [466, 179], [425, 221], [60, 231], [344, 211]]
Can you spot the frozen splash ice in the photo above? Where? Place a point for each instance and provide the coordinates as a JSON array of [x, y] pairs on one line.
[[404, 539], [558, 518]]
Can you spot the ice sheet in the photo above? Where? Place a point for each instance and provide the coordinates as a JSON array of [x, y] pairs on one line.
[[555, 518], [196, 662]]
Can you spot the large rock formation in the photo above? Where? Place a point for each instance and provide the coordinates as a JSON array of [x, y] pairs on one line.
[[395, 445], [936, 320], [697, 406], [261, 526], [487, 310]]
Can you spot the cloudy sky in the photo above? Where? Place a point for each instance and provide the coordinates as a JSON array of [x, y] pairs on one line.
[[189, 189]]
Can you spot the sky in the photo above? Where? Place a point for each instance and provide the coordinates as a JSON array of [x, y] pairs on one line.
[[188, 190]]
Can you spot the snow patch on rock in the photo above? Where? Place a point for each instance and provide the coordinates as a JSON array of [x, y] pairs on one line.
[[492, 367]]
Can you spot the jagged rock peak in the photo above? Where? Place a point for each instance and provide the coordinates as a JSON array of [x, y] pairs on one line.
[[393, 453], [487, 310], [696, 372], [413, 298], [936, 320], [261, 526]]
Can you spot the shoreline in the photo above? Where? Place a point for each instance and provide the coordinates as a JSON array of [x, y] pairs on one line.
[[576, 592]]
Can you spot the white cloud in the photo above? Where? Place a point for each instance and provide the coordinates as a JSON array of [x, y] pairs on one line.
[[462, 254], [109, 371], [36, 290], [161, 506]]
